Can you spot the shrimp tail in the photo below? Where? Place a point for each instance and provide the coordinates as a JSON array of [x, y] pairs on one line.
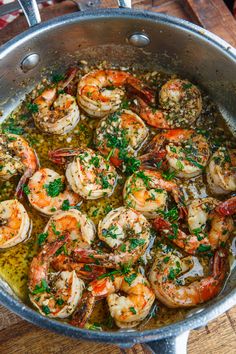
[[219, 270], [220, 264], [227, 208], [60, 156], [25, 177], [67, 84], [153, 159], [63, 262], [84, 310], [144, 93], [152, 116], [161, 224]]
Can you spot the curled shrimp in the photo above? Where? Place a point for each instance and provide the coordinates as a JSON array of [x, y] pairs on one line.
[[130, 309], [80, 232], [185, 151], [58, 112], [173, 293], [59, 297], [16, 156], [202, 238], [180, 104], [124, 230], [47, 192], [89, 174], [15, 225], [80, 229], [119, 133], [221, 171], [181, 98], [100, 92], [147, 192]]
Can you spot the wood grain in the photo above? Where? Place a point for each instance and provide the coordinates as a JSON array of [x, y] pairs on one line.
[[214, 16], [219, 336]]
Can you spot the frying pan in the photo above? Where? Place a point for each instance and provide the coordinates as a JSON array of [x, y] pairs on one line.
[[124, 37]]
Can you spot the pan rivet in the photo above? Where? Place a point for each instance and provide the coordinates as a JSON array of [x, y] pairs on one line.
[[139, 39], [29, 62]]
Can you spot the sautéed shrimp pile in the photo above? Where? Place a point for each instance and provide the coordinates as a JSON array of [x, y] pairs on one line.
[[117, 198]]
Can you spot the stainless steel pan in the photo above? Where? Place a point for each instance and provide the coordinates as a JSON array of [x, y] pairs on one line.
[[124, 37]]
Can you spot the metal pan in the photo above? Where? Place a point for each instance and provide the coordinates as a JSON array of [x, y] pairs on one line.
[[124, 37]]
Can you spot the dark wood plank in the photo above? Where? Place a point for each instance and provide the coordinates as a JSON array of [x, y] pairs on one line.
[[214, 16]]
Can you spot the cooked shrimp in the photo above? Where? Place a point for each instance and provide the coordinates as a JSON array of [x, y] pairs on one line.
[[16, 156], [100, 92], [228, 207], [147, 191], [58, 112], [182, 100], [180, 105], [169, 290], [221, 171], [15, 225], [124, 230], [201, 212], [47, 192], [185, 151], [59, 297], [89, 174], [78, 226], [119, 133], [130, 309]]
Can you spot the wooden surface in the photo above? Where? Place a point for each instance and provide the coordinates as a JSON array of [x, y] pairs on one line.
[[219, 336]]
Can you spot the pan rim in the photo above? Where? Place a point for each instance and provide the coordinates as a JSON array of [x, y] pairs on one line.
[[125, 338]]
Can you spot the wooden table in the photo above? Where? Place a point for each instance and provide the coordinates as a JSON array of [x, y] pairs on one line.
[[219, 336]]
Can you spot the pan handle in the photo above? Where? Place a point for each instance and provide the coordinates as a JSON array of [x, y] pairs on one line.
[[125, 4], [31, 11], [171, 345]]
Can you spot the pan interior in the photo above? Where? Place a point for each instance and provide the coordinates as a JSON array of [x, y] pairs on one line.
[[173, 48]]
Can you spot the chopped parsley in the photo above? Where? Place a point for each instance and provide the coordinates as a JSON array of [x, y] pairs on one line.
[[46, 309], [132, 309], [111, 232], [10, 127], [171, 215], [26, 189], [94, 161], [204, 248], [168, 175], [87, 268], [54, 188], [187, 86], [41, 288], [62, 249], [65, 205], [134, 243], [146, 179], [95, 212], [195, 163], [57, 78], [130, 278], [32, 107], [104, 181], [60, 301], [42, 238], [53, 226]]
